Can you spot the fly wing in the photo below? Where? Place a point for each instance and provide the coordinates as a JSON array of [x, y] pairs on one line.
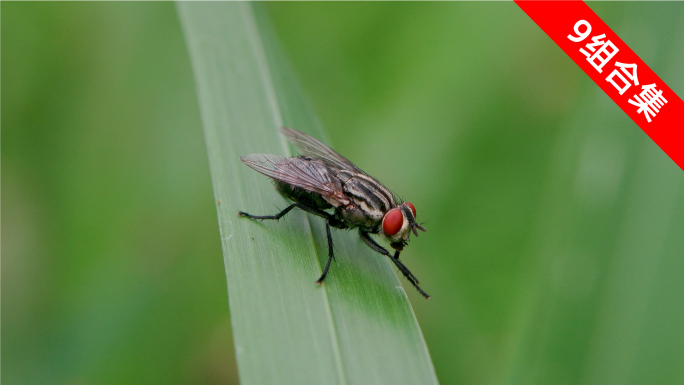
[[307, 174], [312, 147]]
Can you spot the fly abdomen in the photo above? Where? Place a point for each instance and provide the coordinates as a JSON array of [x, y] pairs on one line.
[[300, 195]]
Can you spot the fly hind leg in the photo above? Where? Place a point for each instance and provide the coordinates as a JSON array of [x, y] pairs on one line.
[[301, 206], [262, 217], [330, 220]]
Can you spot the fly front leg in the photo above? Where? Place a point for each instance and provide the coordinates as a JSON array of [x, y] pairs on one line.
[[365, 236], [331, 255], [406, 270]]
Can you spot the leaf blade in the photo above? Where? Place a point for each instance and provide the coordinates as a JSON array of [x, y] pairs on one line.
[[358, 327]]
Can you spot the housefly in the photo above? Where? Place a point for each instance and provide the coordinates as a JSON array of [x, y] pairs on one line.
[[321, 179]]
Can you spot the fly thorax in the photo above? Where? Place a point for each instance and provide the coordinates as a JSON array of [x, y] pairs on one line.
[[369, 196]]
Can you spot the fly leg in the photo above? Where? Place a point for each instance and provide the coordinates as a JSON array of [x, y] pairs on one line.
[[262, 217], [331, 256], [329, 221], [365, 236], [333, 222], [406, 270]]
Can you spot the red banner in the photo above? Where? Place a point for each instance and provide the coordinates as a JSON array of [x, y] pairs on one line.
[[615, 68]]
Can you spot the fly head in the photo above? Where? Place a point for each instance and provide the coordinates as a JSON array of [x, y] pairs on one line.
[[398, 224]]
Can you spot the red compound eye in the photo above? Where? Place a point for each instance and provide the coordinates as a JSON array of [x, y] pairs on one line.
[[412, 207], [392, 222]]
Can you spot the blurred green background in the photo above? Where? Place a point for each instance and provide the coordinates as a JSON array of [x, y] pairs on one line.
[[554, 244]]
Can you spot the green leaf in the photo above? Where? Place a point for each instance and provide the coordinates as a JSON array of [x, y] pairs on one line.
[[358, 327]]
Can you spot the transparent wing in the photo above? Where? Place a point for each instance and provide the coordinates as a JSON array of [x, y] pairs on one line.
[[309, 175], [312, 147]]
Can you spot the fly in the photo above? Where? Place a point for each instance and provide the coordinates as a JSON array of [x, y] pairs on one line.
[[321, 179]]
